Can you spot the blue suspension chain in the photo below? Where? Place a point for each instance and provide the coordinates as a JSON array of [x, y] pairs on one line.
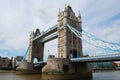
[[106, 45]]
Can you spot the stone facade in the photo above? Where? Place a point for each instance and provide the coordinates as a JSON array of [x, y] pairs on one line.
[[63, 65], [4, 62], [68, 44], [55, 65], [25, 66], [36, 49]]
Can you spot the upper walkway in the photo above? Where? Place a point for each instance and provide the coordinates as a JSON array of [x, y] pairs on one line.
[[46, 33]]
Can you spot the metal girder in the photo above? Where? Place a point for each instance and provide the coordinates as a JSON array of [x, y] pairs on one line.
[[46, 33], [50, 37], [96, 59]]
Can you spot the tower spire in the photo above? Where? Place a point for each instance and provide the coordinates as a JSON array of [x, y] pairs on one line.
[[59, 12], [69, 5], [79, 16]]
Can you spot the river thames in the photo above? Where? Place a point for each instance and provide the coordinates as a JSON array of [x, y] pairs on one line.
[[101, 75]]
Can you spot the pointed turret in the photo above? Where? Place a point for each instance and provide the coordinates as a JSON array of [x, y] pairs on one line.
[[79, 17], [32, 34], [59, 13], [37, 32], [68, 10]]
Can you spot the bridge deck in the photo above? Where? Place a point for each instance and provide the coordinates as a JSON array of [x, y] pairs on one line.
[[96, 59]]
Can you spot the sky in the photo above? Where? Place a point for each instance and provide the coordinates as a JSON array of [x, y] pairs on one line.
[[19, 17]]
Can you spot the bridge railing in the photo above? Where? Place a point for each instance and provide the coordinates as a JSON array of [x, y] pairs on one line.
[[97, 58]]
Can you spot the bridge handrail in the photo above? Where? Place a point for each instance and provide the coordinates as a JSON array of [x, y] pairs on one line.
[[95, 58]]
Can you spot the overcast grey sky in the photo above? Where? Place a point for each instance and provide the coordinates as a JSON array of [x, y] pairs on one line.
[[19, 17]]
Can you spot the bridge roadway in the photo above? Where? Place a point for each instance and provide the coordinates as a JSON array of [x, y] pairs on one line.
[[47, 35], [39, 64], [97, 58], [88, 59]]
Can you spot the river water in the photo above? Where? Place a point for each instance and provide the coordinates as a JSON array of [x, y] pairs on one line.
[[101, 75]]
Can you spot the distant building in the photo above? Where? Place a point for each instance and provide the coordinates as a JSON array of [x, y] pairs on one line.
[[4, 62], [19, 58], [16, 61]]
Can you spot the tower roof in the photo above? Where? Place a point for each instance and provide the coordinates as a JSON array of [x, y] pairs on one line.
[[68, 8], [37, 32]]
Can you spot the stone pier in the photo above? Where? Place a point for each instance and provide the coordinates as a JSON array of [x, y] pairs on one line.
[[25, 66], [58, 66]]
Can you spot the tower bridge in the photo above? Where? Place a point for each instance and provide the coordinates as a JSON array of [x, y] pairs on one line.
[[70, 56]]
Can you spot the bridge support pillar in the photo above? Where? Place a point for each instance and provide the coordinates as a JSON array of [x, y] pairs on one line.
[[36, 49], [25, 66], [64, 66]]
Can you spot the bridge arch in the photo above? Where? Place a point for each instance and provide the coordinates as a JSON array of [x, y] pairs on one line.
[[36, 59]]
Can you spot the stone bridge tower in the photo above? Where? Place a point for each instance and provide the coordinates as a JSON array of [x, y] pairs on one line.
[[68, 44], [36, 49]]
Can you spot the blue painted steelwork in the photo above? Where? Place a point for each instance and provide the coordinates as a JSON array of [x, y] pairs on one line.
[[115, 47], [50, 37], [90, 39], [97, 58], [24, 57], [46, 32]]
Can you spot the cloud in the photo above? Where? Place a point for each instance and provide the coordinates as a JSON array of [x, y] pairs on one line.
[[19, 18], [97, 14], [108, 33]]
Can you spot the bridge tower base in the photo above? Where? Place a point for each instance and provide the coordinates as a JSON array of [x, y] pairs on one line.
[[60, 66], [64, 66], [25, 66]]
